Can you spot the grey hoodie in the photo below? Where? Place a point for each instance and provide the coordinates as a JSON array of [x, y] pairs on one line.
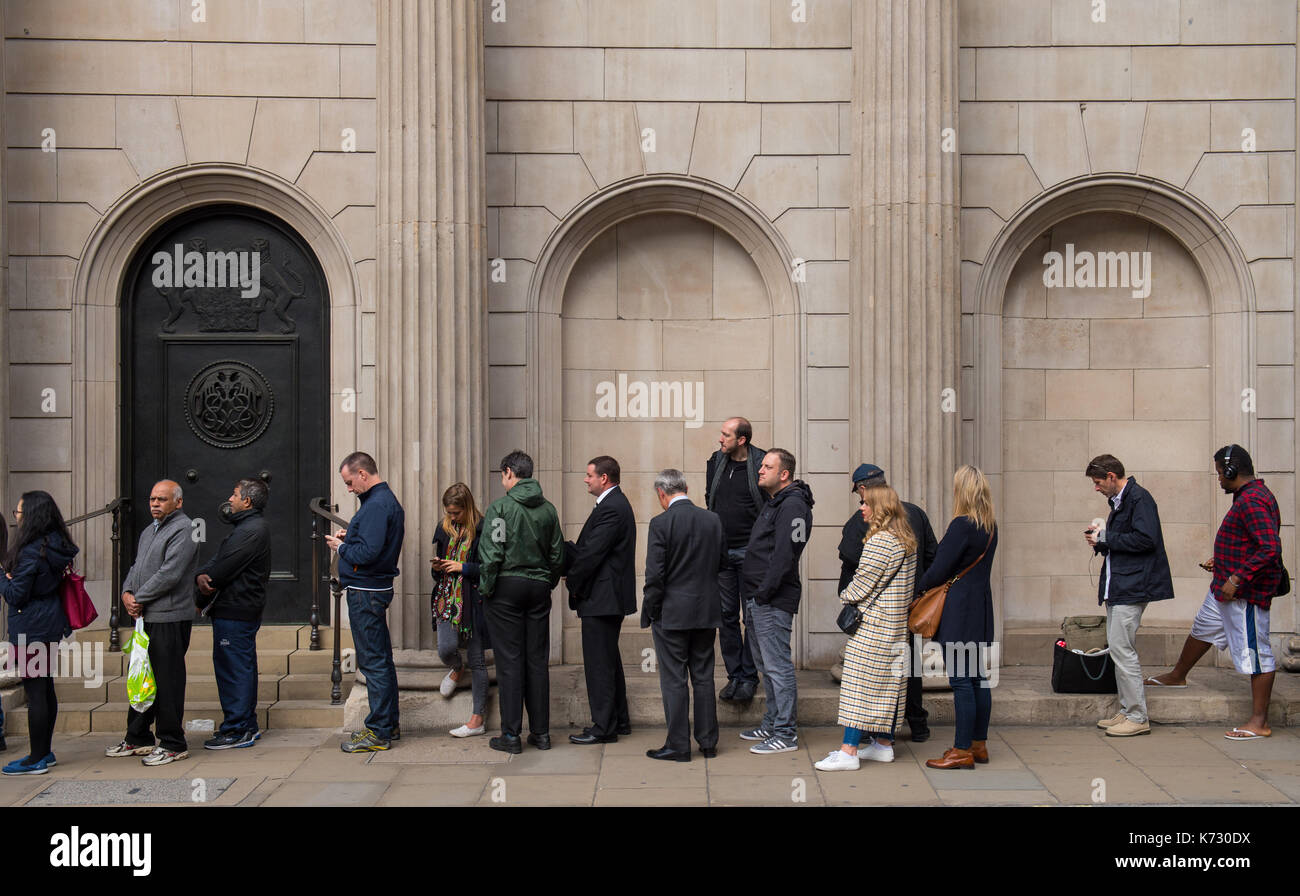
[[162, 577]]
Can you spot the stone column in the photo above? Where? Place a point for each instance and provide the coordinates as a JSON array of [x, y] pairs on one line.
[[431, 313], [906, 313]]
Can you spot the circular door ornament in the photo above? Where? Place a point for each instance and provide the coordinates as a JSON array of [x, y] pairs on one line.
[[229, 404]]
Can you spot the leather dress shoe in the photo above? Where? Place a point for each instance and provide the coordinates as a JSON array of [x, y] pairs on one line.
[[744, 692], [729, 692], [507, 743], [540, 741], [668, 755], [709, 752], [953, 758], [621, 730], [586, 739], [979, 751]]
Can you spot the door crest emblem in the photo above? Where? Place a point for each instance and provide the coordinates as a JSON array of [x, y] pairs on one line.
[[229, 404]]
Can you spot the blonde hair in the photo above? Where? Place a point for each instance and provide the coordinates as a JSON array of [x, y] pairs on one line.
[[887, 515], [972, 498], [460, 496]]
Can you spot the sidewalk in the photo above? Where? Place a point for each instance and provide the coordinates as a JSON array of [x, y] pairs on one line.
[[1035, 766]]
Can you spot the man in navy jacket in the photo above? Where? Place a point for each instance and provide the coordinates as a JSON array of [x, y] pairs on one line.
[[1135, 572], [368, 550]]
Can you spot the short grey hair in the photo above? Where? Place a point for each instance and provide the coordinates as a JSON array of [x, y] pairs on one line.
[[671, 482]]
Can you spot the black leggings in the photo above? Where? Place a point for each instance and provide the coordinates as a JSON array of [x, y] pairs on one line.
[[42, 710]]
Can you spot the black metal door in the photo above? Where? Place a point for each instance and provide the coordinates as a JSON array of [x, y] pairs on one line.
[[225, 318]]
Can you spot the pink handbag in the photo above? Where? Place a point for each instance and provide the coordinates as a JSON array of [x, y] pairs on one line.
[[77, 604]]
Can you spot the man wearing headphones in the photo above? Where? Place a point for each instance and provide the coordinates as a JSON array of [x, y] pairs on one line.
[[1247, 570]]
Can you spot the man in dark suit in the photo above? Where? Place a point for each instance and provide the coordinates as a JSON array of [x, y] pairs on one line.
[[602, 588], [682, 607]]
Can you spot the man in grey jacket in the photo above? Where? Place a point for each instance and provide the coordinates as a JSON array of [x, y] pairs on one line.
[[160, 588]]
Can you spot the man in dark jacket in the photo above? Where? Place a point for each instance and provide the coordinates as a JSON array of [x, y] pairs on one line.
[[232, 591], [368, 550], [602, 588], [855, 530], [731, 491], [770, 579], [1134, 572], [682, 609]]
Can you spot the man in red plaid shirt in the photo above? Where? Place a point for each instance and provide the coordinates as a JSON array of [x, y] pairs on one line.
[[1247, 569]]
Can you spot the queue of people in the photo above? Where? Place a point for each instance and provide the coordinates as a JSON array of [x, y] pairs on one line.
[[707, 569]]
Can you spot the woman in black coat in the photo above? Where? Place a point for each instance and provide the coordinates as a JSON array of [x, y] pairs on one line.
[[31, 586], [966, 626], [458, 616]]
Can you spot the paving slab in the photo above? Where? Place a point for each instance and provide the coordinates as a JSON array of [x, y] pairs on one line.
[[1109, 783], [79, 792], [326, 793], [462, 794], [469, 773], [539, 790], [439, 749], [642, 771], [659, 796], [765, 790], [339, 766], [1224, 783], [998, 798], [1284, 776], [894, 784], [1166, 746], [561, 759]]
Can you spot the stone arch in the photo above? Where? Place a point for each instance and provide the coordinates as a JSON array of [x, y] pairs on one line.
[[1193, 224], [96, 298], [632, 198]]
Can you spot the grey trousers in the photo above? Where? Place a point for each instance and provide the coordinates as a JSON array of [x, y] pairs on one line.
[[1122, 622]]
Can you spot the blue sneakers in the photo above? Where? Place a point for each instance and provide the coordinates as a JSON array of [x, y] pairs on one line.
[[26, 766]]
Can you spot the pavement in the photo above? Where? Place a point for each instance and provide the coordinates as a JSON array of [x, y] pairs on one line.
[[1029, 765]]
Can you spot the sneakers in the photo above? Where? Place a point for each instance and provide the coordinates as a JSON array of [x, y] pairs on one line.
[[776, 744], [162, 756], [26, 766], [365, 741], [755, 734], [126, 749], [837, 761], [448, 686], [466, 731], [1113, 720], [876, 752], [1127, 728], [232, 740], [50, 760]]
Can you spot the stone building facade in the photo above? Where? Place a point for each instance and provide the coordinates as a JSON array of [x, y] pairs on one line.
[[834, 217]]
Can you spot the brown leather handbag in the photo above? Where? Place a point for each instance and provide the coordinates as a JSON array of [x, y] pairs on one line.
[[927, 610]]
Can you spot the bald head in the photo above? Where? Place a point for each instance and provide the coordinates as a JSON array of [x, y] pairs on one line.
[[164, 499]]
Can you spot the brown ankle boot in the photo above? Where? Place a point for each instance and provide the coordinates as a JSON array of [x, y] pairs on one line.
[[979, 751], [953, 758]]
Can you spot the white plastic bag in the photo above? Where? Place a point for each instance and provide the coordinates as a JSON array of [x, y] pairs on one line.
[[140, 685]]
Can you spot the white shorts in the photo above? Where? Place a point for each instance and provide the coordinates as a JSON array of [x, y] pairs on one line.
[[1239, 627]]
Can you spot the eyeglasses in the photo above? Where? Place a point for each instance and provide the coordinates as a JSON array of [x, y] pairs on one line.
[[17, 512]]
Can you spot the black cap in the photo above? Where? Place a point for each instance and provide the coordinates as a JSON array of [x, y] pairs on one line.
[[866, 473]]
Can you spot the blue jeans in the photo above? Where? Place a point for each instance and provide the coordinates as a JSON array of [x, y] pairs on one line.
[[449, 653], [234, 662], [771, 628], [737, 648], [972, 700], [368, 613]]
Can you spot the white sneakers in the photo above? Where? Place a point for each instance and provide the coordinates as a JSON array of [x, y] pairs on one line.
[[466, 731], [839, 761], [448, 686]]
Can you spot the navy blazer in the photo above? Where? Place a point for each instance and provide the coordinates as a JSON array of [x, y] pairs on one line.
[[686, 546]]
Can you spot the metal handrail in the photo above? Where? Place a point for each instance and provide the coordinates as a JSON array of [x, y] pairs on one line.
[[324, 512], [116, 507]]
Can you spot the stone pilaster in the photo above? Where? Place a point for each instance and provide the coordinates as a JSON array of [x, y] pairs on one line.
[[430, 299], [906, 311]]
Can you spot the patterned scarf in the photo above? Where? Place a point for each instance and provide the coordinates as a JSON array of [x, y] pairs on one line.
[[449, 604]]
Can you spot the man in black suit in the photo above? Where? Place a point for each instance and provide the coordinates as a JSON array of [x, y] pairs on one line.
[[683, 609], [602, 588]]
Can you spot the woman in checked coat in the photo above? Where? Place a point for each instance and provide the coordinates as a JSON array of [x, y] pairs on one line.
[[873, 689]]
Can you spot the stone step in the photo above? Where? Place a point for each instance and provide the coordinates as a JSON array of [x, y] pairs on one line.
[[1157, 646], [1022, 695], [284, 637]]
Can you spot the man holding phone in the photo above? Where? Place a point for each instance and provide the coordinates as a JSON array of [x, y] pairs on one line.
[[1134, 572]]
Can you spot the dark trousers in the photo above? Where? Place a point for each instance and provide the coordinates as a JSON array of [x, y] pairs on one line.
[[368, 616], [42, 711], [603, 667], [519, 616], [914, 712], [682, 653], [234, 662], [737, 649], [168, 642]]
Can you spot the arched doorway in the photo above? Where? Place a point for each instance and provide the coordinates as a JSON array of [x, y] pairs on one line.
[[224, 334]]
